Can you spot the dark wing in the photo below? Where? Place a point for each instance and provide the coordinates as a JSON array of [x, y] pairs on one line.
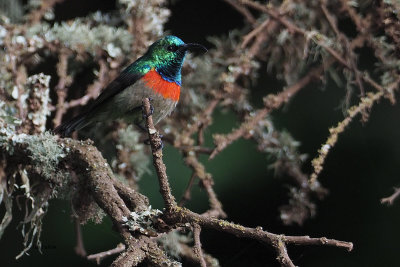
[[125, 79]]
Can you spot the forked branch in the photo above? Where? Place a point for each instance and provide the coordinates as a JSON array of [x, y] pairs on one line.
[[175, 215]]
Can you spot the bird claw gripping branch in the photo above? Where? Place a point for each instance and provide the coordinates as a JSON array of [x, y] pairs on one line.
[[145, 116]]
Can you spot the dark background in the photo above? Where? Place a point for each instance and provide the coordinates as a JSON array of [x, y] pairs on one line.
[[360, 170]]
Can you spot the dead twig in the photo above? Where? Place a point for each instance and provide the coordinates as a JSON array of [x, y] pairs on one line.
[[272, 102], [293, 28], [389, 200], [99, 256], [79, 247], [197, 245], [248, 37], [93, 90], [243, 10], [187, 193], [362, 108], [61, 88]]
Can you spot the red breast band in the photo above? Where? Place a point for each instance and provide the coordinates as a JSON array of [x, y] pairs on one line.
[[167, 89]]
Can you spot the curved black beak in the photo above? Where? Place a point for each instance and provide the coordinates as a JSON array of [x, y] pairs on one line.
[[193, 47]]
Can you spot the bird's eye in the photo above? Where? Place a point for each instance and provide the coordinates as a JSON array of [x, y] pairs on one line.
[[172, 48]]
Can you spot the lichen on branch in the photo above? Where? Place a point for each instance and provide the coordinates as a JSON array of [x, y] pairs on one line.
[[52, 68]]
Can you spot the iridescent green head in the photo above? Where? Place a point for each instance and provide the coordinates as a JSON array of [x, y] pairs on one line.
[[167, 55]]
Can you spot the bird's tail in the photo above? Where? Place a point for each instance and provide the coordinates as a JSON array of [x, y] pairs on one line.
[[75, 123]]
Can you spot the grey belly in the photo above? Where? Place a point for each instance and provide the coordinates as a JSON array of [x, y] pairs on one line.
[[127, 105]]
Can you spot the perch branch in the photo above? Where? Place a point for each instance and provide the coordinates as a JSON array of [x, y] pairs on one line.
[[175, 215], [156, 148]]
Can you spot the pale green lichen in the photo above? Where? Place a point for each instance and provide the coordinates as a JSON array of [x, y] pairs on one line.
[[80, 35], [171, 242], [279, 145], [6, 198], [45, 153], [153, 13], [44, 150], [143, 221], [38, 88], [128, 140], [12, 9]]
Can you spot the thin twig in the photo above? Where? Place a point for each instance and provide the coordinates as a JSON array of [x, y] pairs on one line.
[[243, 10], [63, 82], [187, 193], [247, 38], [197, 244], [296, 29], [389, 200], [93, 90], [156, 148], [363, 107], [99, 256], [192, 161], [207, 182], [272, 102], [351, 57], [283, 257], [184, 215], [79, 247], [365, 104]]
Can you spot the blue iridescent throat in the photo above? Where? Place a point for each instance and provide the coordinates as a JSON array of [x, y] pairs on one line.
[[171, 71], [170, 76]]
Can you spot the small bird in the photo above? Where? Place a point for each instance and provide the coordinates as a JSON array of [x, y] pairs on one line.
[[155, 75]]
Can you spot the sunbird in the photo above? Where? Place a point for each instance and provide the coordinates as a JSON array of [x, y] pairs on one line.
[[155, 75]]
